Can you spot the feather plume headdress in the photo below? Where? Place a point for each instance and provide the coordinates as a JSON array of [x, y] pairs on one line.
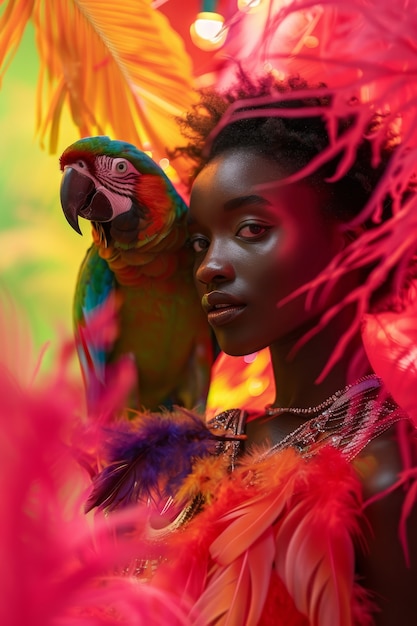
[[364, 51], [369, 54]]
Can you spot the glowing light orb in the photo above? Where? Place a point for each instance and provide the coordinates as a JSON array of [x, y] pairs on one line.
[[208, 32], [256, 386], [164, 163]]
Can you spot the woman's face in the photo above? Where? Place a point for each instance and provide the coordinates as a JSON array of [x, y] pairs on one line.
[[255, 242]]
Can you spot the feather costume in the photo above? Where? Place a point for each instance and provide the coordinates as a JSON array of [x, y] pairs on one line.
[[273, 541], [274, 546], [278, 532], [279, 526]]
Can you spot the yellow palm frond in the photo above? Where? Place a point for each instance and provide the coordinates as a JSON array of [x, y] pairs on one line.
[[119, 66], [13, 21]]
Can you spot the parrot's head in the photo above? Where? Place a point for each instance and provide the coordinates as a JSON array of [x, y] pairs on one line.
[[118, 188]]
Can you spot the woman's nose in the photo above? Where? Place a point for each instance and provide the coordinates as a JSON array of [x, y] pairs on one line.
[[215, 267]]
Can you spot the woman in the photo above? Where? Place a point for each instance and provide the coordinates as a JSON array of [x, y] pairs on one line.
[[295, 518]]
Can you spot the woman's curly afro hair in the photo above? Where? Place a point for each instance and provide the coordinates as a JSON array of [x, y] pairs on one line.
[[292, 141]]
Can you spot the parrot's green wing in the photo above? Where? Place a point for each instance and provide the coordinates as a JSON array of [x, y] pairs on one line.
[[94, 313]]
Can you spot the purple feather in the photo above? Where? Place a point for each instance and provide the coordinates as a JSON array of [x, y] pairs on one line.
[[150, 458]]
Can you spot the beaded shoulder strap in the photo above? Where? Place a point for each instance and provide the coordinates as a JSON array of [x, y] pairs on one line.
[[356, 417], [232, 424], [362, 412]]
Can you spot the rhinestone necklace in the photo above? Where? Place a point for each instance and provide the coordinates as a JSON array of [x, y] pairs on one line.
[[271, 411], [351, 418]]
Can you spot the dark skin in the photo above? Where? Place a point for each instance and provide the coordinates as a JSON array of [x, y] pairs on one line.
[[256, 242], [382, 566]]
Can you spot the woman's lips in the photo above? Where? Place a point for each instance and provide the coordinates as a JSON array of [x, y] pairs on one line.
[[224, 315], [221, 308]]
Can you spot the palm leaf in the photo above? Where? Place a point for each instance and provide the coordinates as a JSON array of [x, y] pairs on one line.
[[119, 66], [13, 21]]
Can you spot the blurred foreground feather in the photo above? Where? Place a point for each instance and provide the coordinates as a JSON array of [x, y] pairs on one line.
[[56, 568]]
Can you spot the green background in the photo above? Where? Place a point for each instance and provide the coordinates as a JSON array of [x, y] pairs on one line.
[[39, 252]]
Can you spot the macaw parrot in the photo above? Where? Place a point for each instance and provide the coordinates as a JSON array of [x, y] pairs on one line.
[[138, 257]]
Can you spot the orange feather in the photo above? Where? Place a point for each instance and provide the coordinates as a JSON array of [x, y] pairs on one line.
[[286, 514]]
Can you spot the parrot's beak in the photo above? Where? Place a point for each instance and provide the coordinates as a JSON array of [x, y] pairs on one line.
[[76, 194], [80, 197]]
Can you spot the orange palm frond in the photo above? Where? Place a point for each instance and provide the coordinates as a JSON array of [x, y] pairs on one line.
[[119, 66], [12, 24]]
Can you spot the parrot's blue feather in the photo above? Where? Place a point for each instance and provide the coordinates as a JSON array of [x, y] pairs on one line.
[[94, 286]]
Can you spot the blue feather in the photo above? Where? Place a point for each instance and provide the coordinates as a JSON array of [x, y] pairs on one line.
[[95, 284]]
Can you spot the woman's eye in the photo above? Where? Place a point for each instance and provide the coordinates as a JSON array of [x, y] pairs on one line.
[[198, 243], [252, 231]]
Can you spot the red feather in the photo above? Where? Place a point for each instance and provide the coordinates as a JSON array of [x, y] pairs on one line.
[[299, 517]]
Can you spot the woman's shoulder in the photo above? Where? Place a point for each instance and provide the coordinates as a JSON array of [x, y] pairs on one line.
[[386, 460], [387, 469]]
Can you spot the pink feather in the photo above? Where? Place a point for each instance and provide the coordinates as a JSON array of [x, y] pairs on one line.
[[56, 568], [390, 340]]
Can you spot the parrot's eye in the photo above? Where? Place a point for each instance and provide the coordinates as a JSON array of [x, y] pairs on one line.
[[120, 166], [81, 164]]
